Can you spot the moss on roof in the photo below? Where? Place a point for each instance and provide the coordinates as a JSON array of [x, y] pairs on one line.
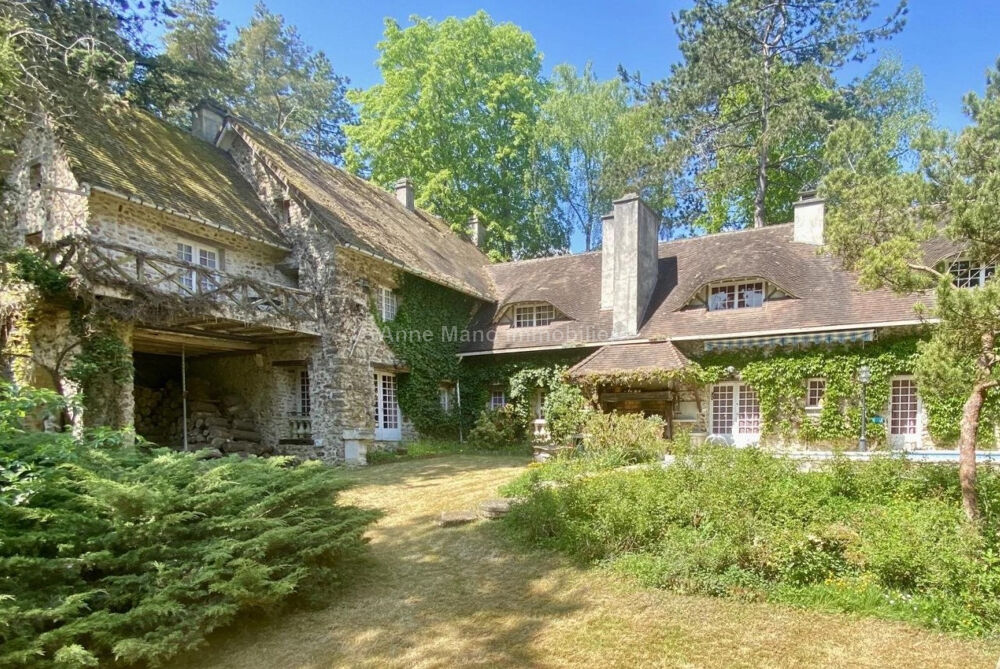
[[372, 219], [134, 153]]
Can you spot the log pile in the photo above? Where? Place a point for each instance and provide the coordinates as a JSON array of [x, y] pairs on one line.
[[226, 424]]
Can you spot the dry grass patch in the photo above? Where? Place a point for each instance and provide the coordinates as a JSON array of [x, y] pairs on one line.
[[434, 597]]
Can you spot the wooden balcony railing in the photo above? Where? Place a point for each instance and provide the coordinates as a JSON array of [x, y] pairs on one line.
[[131, 270]]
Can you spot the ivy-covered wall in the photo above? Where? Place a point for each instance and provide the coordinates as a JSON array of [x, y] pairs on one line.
[[427, 334], [779, 377]]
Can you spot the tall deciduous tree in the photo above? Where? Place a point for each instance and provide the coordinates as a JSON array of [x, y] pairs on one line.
[[285, 87], [754, 94], [457, 113], [581, 123], [881, 217], [602, 146]]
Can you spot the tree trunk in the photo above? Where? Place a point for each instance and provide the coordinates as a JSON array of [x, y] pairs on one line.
[[967, 451], [760, 191]]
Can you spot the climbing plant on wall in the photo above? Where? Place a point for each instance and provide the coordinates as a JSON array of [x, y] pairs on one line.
[[426, 333], [420, 335], [779, 377], [97, 360]]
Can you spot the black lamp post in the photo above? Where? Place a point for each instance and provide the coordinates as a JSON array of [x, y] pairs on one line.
[[864, 376]]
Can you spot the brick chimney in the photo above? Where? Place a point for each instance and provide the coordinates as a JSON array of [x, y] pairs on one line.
[[207, 118], [634, 259], [809, 215], [404, 193]]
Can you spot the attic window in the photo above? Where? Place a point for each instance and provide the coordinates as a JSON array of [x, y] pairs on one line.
[[740, 295], [968, 274], [533, 315], [35, 175], [284, 208]]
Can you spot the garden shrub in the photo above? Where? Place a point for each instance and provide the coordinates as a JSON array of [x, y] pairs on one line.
[[882, 538], [498, 429], [633, 437], [110, 551]]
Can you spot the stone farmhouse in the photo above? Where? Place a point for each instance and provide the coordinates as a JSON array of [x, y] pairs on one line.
[[254, 278]]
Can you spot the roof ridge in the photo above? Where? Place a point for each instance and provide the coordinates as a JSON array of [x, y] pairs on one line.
[[422, 214], [712, 235]]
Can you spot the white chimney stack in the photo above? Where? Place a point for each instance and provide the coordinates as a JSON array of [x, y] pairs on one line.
[[404, 193], [809, 214], [636, 263]]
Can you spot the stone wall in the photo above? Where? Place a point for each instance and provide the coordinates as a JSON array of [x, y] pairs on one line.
[[59, 208], [351, 347], [148, 230]]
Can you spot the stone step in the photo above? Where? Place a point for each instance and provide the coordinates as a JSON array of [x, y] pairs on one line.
[[456, 518], [496, 508]]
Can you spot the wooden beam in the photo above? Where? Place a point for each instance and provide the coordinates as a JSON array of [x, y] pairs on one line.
[[168, 339]]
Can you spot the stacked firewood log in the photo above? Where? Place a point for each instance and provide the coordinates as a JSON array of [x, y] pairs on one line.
[[226, 425]]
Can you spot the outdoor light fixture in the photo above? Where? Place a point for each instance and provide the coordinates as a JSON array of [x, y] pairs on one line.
[[864, 377]]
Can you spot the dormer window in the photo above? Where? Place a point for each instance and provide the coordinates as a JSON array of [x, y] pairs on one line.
[[533, 315], [968, 274], [740, 295]]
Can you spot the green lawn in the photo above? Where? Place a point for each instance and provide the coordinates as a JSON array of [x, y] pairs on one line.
[[434, 597]]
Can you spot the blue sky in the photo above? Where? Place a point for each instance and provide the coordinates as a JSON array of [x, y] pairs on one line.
[[951, 42]]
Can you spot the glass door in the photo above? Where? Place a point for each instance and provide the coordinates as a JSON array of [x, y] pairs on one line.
[[386, 408]]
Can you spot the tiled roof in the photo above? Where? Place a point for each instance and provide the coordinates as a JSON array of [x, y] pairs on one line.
[[136, 154], [373, 220], [658, 356], [824, 294]]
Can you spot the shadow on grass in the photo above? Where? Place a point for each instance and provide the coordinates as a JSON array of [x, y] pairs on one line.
[[423, 595]]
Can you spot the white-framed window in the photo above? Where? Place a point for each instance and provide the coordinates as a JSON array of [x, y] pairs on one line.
[[533, 315], [904, 407], [815, 392], [386, 301], [305, 400], [735, 412], [446, 397], [195, 254], [498, 398], [739, 295], [968, 274], [386, 408]]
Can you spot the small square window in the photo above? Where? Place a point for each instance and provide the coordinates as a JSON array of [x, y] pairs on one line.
[[815, 391], [498, 398], [35, 176]]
